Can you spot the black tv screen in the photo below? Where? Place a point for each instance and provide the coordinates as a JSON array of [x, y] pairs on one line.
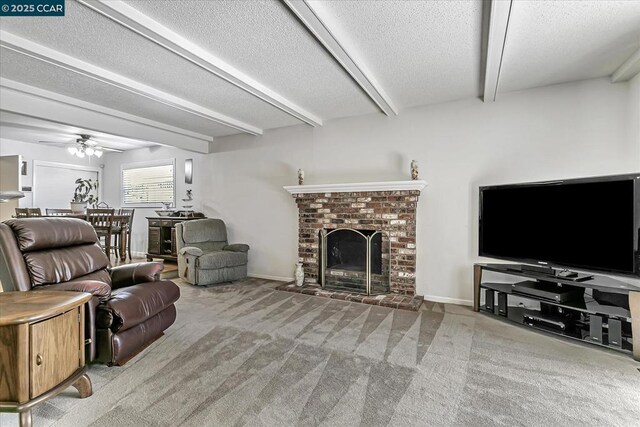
[[590, 223]]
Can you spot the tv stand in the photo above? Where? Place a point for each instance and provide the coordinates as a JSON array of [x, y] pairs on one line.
[[581, 318]]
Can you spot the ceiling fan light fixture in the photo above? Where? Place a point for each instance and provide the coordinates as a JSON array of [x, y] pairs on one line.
[[98, 153], [72, 150], [80, 154], [90, 151]]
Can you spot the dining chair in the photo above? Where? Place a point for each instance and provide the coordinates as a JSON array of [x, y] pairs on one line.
[[34, 212], [58, 212], [22, 212], [102, 222], [118, 231], [129, 226]]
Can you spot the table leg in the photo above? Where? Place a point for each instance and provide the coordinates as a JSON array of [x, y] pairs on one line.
[[83, 385], [477, 279], [25, 418], [634, 307]]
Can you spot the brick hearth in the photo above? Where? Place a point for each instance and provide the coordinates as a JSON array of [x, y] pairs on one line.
[[391, 211]]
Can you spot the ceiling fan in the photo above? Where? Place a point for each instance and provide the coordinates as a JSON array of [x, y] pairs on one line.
[[84, 146]]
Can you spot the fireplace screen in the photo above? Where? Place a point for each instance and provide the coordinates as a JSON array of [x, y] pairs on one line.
[[355, 260]]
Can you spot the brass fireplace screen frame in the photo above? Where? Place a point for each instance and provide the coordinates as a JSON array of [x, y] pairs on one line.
[[324, 233]]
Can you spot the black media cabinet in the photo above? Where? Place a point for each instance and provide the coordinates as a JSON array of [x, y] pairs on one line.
[[581, 318]]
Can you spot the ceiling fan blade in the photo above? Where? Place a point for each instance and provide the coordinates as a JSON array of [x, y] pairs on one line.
[[53, 142]]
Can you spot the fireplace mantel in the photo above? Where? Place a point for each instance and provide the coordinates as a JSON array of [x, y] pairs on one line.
[[357, 187]]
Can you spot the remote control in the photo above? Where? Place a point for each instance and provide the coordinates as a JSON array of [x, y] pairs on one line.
[[567, 273]]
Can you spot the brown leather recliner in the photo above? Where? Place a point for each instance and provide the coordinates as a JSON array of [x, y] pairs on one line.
[[130, 307]]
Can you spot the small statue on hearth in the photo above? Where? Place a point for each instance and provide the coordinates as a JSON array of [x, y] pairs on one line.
[[300, 177], [299, 274], [414, 169]]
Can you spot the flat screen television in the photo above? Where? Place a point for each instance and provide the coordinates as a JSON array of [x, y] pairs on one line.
[[588, 223]]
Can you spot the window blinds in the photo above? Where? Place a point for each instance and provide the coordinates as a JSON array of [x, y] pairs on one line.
[[148, 185]]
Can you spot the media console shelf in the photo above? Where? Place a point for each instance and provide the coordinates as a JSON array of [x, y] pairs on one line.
[[581, 318]]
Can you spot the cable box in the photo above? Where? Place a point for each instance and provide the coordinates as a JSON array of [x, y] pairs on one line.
[[548, 291], [534, 318]]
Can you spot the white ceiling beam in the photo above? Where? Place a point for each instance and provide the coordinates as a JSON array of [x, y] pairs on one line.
[[131, 18], [628, 69], [39, 103], [305, 13], [43, 53], [496, 39]]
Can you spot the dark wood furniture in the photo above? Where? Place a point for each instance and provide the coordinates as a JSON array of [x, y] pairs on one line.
[[162, 237], [128, 213], [102, 222], [58, 212], [28, 213], [22, 213], [586, 307], [41, 348]]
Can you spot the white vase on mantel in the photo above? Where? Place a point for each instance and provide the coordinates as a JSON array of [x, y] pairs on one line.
[[299, 274]]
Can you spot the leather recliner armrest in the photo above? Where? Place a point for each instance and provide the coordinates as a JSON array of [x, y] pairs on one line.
[[132, 274], [237, 247], [94, 287], [191, 250]]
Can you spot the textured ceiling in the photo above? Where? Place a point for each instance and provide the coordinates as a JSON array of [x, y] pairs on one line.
[[82, 34], [419, 51], [16, 127], [554, 42], [18, 67], [264, 40]]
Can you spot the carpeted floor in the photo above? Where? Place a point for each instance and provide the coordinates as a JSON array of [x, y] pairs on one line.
[[245, 354]]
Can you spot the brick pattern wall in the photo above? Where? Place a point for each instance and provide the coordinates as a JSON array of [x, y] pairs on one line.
[[390, 211]]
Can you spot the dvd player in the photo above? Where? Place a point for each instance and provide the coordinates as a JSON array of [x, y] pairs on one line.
[[534, 318], [549, 291]]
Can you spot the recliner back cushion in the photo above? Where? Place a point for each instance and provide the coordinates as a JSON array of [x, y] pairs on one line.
[[57, 250], [65, 264], [36, 234], [204, 230]]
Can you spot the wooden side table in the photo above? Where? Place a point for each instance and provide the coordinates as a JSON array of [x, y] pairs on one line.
[[41, 348]]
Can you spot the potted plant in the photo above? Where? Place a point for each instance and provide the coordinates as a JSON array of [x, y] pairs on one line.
[[82, 196]]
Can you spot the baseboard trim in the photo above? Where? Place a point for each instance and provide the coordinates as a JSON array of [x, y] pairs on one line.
[[266, 276], [447, 300]]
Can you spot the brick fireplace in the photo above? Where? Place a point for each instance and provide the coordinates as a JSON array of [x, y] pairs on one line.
[[388, 207]]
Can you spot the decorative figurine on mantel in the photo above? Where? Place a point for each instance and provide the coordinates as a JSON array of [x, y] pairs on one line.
[[300, 177], [414, 170]]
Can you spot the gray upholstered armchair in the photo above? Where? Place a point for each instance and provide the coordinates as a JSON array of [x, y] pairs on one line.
[[204, 255]]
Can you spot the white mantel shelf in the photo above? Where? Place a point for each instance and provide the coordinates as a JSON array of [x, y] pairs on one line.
[[357, 187]]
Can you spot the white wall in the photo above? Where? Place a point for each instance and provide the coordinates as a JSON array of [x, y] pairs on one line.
[[564, 131], [40, 152], [112, 194]]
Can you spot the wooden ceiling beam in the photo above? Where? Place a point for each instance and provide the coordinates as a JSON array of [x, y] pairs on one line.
[[62, 60], [496, 40], [136, 21], [628, 70], [321, 32]]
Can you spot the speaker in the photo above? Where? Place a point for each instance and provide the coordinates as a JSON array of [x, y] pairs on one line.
[[502, 304], [595, 328], [488, 299], [615, 333]]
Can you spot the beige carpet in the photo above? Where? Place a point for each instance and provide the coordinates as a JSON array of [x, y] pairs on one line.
[[245, 354]]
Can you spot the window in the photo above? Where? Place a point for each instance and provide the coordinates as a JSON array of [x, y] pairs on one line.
[[148, 184]]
